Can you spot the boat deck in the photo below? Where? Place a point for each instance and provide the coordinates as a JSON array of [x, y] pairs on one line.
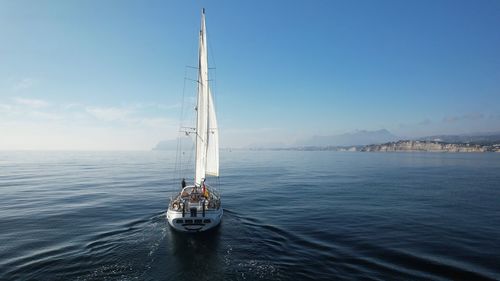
[[193, 198]]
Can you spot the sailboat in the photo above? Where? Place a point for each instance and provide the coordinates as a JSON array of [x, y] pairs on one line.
[[197, 207]]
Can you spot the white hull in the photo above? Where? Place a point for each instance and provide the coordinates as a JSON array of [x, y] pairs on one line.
[[194, 224], [195, 209]]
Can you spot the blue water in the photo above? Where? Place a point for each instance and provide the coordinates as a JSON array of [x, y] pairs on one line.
[[288, 216]]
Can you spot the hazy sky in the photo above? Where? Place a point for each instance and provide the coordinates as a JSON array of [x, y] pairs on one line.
[[110, 74]]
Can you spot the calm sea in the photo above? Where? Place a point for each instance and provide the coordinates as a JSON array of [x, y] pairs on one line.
[[288, 216]]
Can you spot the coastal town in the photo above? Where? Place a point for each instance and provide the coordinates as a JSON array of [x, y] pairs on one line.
[[430, 146], [401, 146]]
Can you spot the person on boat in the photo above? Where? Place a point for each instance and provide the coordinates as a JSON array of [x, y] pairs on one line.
[[204, 191], [183, 183]]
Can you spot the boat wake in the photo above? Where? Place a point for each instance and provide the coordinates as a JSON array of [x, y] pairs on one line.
[[331, 255], [127, 253]]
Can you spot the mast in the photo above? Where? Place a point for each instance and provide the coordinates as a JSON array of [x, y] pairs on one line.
[[202, 106]]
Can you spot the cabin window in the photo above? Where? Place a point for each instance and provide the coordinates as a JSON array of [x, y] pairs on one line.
[[189, 221], [197, 221], [179, 221], [207, 221]]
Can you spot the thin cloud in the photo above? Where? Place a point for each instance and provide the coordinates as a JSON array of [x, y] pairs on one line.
[[494, 116], [156, 105], [465, 117], [129, 116], [109, 113], [73, 105], [24, 84], [168, 106], [33, 124], [33, 103], [451, 119], [425, 122], [154, 122], [422, 123], [41, 115], [5, 108]]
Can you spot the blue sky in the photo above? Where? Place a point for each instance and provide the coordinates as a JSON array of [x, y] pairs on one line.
[[110, 74]]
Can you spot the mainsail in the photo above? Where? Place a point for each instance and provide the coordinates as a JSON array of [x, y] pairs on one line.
[[207, 136]]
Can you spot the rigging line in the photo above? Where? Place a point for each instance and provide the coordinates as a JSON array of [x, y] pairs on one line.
[[214, 94], [212, 55], [187, 130], [214, 84], [177, 166], [197, 81], [190, 158], [202, 41], [178, 156], [210, 48], [193, 117], [186, 162], [219, 188]]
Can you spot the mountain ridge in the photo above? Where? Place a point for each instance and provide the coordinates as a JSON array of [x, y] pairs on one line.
[[361, 137]]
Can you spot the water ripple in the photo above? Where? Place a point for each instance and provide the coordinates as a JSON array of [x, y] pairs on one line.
[[287, 216]]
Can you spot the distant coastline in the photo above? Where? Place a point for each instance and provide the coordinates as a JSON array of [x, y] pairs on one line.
[[378, 141], [400, 146], [430, 146]]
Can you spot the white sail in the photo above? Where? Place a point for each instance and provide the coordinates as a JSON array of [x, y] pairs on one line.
[[213, 139], [207, 150]]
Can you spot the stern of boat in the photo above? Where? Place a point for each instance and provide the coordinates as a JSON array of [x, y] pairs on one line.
[[193, 210]]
